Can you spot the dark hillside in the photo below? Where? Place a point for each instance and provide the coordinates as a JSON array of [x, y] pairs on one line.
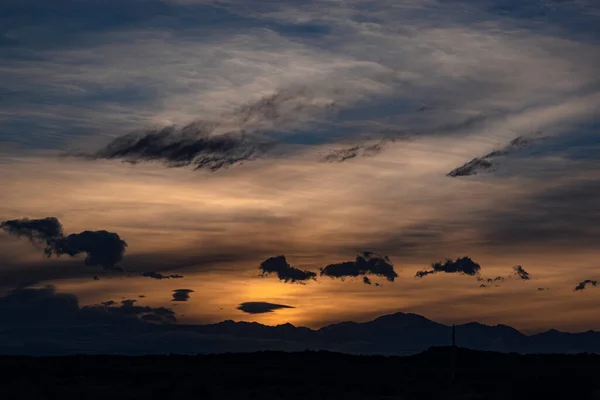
[[304, 375]]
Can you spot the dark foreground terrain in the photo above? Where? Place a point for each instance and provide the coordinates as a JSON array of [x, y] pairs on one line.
[[305, 375]]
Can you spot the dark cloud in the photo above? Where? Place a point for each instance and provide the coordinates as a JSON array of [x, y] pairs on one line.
[[102, 248], [365, 263], [229, 139], [582, 285], [366, 280], [128, 309], [368, 148], [36, 230], [480, 164], [178, 147], [462, 265], [360, 150], [285, 272], [540, 289], [128, 302], [422, 273], [468, 267], [490, 280], [260, 307], [44, 307], [159, 276], [521, 273], [155, 275], [181, 294], [473, 167], [25, 272]]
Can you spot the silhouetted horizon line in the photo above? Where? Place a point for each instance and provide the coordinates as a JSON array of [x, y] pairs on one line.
[[448, 325]]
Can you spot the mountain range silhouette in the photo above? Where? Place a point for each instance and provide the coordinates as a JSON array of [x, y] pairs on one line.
[[399, 334], [394, 334]]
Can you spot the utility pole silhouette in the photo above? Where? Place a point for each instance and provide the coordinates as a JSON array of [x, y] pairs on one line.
[[453, 355], [453, 335]]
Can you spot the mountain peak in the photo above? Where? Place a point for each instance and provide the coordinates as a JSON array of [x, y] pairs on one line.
[[402, 317], [286, 325]]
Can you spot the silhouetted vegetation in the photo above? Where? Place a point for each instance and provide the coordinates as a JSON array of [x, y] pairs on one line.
[[305, 375]]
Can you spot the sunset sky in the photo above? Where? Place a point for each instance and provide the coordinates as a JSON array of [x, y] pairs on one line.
[[419, 130]]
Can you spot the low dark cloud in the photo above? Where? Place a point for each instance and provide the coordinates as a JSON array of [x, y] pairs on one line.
[[463, 265], [366, 280], [365, 263], [129, 309], [480, 164], [102, 248], [159, 276], [285, 272], [182, 294], [155, 275], [27, 272], [582, 285], [45, 307], [490, 280], [520, 273], [260, 307]]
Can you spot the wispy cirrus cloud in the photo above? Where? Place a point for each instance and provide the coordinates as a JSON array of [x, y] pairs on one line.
[[480, 164], [264, 49]]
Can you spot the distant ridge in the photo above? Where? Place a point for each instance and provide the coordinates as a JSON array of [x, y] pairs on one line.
[[393, 334], [403, 334]]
